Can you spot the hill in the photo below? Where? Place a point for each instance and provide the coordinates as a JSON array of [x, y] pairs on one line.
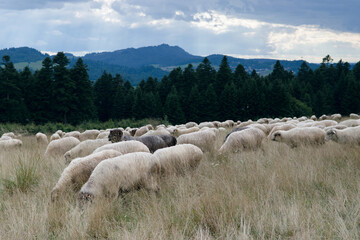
[[135, 64]]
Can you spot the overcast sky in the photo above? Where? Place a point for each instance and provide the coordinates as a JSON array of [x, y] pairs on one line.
[[281, 29]]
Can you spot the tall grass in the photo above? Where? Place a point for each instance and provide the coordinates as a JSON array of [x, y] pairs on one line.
[[278, 193]]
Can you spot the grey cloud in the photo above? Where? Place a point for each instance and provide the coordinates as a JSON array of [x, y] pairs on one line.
[[35, 4]]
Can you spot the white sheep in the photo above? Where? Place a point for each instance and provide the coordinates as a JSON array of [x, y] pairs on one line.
[[354, 116], [248, 139], [60, 133], [179, 159], [121, 174], [180, 131], [191, 124], [300, 136], [89, 134], [60, 146], [284, 127], [2, 138], [159, 131], [79, 171], [141, 131], [75, 134], [324, 123], [41, 139], [55, 136], [205, 140], [336, 116], [10, 144], [125, 147], [103, 135], [9, 134], [206, 124], [350, 135], [84, 148], [350, 122]]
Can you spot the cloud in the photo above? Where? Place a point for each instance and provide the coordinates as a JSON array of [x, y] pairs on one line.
[[35, 4], [252, 28]]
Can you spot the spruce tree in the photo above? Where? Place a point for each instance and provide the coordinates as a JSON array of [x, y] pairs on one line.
[[223, 76], [172, 108], [64, 99], [193, 105], [228, 101], [83, 94]]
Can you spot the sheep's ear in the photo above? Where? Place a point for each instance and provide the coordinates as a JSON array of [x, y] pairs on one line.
[[332, 132]]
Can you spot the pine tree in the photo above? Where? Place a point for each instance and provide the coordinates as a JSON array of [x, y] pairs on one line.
[[205, 74], [43, 89], [64, 100], [223, 76], [209, 106], [83, 94], [193, 105], [172, 108], [104, 96], [12, 106], [228, 101]]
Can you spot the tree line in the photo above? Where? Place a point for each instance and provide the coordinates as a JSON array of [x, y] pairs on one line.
[[57, 93]]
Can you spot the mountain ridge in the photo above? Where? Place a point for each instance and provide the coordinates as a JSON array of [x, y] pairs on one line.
[[135, 64]]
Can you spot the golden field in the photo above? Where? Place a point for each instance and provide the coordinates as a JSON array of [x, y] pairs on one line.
[[274, 193]]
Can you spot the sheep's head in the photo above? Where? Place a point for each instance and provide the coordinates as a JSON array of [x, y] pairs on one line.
[[54, 195], [85, 197], [276, 136], [331, 135], [133, 131], [115, 135], [67, 157]]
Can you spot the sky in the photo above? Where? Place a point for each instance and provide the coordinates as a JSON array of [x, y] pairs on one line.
[[279, 29]]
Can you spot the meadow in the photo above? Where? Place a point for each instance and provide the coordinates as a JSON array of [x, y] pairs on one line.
[[274, 193]]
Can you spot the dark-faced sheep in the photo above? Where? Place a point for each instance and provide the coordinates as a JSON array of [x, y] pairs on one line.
[[121, 174]]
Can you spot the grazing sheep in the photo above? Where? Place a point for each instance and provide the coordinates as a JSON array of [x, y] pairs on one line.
[[350, 135], [205, 140], [206, 124], [75, 134], [336, 116], [9, 134], [5, 138], [191, 124], [79, 171], [141, 131], [159, 131], [89, 134], [153, 142], [179, 159], [103, 135], [300, 136], [41, 139], [323, 117], [121, 174], [10, 144], [354, 116], [351, 122], [60, 146], [284, 127], [238, 129], [125, 147], [246, 139], [313, 117], [178, 131], [84, 148], [60, 133], [325, 123], [55, 136]]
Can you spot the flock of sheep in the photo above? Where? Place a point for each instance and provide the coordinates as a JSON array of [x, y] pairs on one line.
[[111, 162]]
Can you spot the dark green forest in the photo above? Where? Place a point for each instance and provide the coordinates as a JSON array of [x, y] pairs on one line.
[[59, 93]]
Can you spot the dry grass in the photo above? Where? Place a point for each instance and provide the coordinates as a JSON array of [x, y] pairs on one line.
[[278, 193]]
